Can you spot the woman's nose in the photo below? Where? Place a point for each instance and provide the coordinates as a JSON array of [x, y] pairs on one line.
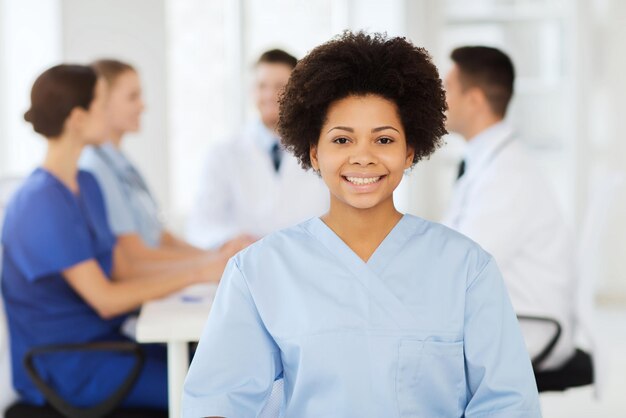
[[363, 155]]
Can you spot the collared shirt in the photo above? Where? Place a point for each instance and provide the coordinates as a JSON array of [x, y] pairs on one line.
[[482, 147], [130, 205], [424, 328], [505, 204], [265, 137]]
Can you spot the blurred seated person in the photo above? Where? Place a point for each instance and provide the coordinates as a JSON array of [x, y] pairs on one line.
[[63, 281], [502, 201], [250, 185], [133, 213]]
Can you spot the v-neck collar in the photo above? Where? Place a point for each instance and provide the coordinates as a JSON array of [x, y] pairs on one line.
[[58, 183], [380, 258], [370, 274], [114, 156], [78, 199]]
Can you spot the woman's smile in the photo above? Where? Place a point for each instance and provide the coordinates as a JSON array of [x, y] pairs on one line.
[[363, 183]]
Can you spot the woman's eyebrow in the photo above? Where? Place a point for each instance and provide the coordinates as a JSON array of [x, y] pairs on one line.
[[382, 128], [343, 128]]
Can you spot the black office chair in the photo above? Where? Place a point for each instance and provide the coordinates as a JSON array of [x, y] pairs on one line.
[[58, 408], [575, 372]]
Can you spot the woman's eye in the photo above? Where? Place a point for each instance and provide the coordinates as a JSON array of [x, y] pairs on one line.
[[340, 140], [385, 140]]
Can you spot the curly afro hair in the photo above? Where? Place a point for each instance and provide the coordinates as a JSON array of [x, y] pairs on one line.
[[359, 64]]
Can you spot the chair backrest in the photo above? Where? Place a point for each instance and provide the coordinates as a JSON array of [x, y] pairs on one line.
[[7, 394]]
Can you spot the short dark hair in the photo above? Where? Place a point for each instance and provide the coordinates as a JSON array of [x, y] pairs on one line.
[[55, 93], [110, 69], [360, 64], [489, 69], [278, 56]]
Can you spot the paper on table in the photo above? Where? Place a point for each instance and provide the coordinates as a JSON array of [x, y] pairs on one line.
[[178, 317]]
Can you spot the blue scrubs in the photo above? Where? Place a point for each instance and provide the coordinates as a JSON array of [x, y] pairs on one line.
[[423, 329], [131, 208], [47, 230]]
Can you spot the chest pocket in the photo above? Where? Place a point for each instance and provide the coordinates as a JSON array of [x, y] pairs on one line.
[[430, 379]]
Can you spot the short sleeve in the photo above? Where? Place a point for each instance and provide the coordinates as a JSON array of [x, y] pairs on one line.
[[118, 205], [237, 361], [499, 374], [45, 233]]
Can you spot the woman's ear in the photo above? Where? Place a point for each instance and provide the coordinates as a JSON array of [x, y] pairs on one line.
[[410, 155], [313, 157], [75, 119]]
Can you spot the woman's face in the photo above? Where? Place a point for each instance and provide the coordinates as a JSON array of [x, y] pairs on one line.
[[125, 105], [362, 152], [93, 125]]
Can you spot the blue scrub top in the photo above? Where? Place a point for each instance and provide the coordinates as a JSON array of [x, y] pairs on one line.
[[48, 229], [130, 205], [423, 329]]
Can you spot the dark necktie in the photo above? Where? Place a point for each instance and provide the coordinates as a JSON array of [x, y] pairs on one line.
[[461, 170], [276, 156]]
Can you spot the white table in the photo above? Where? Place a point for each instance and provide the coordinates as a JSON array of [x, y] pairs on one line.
[[176, 320]]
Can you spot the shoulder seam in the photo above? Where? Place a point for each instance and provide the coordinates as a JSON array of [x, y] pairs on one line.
[[245, 282], [480, 272]]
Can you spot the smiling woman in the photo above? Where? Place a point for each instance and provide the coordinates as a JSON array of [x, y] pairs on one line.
[[362, 154], [365, 311]]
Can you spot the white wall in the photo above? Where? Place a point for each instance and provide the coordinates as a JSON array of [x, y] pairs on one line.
[[132, 31], [203, 82], [603, 153], [30, 42]]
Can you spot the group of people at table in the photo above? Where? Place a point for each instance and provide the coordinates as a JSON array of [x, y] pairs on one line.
[[359, 309]]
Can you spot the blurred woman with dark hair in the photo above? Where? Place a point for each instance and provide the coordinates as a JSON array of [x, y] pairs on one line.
[[62, 280]]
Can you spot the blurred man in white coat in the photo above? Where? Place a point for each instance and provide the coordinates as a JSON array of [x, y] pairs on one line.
[[501, 200], [250, 185]]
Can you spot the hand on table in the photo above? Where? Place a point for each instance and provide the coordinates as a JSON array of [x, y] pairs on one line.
[[237, 244], [213, 268]]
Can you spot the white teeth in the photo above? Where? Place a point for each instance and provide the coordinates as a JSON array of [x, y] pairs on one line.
[[363, 180]]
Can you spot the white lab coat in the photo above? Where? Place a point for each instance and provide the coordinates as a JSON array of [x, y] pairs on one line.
[[505, 205], [240, 192]]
